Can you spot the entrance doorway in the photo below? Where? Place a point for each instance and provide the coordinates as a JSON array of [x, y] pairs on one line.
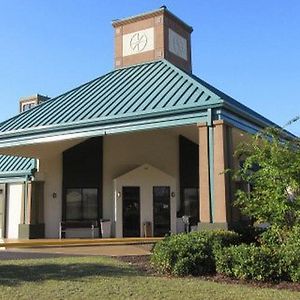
[[161, 210], [131, 211]]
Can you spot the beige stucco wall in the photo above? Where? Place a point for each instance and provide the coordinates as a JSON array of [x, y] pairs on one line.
[[50, 171], [14, 207], [146, 177], [123, 153]]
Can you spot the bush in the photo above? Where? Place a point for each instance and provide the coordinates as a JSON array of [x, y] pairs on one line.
[[274, 237], [192, 253], [286, 242], [290, 253], [249, 262], [249, 234]]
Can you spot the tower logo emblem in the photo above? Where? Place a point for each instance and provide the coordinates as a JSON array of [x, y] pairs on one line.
[[138, 42]]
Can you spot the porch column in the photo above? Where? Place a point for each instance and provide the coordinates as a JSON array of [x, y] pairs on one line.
[[32, 219], [222, 160], [204, 186], [214, 183]]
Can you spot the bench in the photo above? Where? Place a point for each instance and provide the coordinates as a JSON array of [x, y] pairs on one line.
[[64, 225]]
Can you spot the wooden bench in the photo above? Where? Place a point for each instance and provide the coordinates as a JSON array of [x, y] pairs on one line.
[[77, 225]]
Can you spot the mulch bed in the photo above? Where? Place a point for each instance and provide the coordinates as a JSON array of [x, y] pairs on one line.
[[143, 263]]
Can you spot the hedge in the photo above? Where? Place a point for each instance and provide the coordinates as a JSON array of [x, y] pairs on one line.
[[249, 262], [192, 253]]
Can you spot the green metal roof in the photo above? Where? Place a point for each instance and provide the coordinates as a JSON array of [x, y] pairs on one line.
[[13, 166], [143, 95], [137, 91]]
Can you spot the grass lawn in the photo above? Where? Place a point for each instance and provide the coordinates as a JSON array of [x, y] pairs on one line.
[[105, 278]]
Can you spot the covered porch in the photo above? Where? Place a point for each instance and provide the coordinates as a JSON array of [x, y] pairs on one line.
[[147, 176]]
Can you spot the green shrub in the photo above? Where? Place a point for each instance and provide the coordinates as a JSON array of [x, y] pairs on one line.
[[286, 242], [249, 262], [290, 253], [249, 234], [273, 237], [192, 253]]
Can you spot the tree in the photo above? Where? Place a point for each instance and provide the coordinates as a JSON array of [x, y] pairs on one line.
[[271, 165]]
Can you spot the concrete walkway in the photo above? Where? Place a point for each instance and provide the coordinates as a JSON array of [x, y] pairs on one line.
[[19, 243], [50, 252]]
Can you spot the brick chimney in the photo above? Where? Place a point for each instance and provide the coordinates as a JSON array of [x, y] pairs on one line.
[[153, 36], [27, 103]]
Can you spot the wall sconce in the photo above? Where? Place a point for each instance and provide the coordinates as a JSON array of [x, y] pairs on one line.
[[54, 195], [172, 194], [118, 194]]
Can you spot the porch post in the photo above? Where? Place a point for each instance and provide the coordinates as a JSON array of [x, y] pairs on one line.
[[32, 221], [214, 183], [204, 182], [221, 179]]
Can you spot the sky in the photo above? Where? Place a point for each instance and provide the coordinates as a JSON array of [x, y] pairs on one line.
[[248, 49]]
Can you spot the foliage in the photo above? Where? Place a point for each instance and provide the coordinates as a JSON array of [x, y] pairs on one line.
[[290, 253], [271, 165], [249, 262], [276, 256], [249, 234], [274, 237], [192, 253]]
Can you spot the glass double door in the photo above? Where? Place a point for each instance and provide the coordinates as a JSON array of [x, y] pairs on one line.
[[132, 210]]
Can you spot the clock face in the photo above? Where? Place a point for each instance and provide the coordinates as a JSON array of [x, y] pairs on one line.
[[177, 44], [138, 42]]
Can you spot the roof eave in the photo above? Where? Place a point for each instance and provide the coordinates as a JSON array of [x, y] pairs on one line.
[[254, 118]]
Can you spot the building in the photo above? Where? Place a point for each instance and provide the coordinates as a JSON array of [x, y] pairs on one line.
[[147, 142]]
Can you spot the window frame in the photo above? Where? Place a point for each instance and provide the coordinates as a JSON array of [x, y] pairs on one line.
[[65, 215]]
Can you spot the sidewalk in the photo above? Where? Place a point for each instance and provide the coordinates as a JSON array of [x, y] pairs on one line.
[[50, 252]]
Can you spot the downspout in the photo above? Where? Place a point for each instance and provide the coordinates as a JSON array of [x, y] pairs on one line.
[[211, 164], [25, 213], [28, 178]]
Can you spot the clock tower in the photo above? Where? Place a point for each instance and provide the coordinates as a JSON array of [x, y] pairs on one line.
[[152, 36]]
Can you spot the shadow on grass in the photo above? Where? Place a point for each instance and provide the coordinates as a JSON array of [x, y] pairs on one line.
[[12, 275]]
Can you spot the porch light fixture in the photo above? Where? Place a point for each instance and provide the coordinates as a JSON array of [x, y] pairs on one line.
[[118, 194], [54, 195], [172, 194]]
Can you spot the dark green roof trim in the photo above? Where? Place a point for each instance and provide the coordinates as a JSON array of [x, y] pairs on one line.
[[146, 96], [236, 121], [16, 167], [104, 129]]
